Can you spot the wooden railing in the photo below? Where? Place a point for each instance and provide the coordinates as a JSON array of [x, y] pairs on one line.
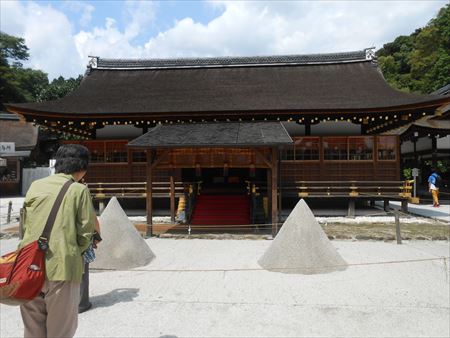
[[134, 190], [398, 189], [364, 189]]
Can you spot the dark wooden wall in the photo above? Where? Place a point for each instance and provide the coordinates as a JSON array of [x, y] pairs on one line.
[[362, 158]]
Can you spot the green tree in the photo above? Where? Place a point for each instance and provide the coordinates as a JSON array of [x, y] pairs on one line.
[[12, 48], [419, 62], [58, 88], [17, 84]]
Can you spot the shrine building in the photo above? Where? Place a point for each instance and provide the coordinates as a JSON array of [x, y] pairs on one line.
[[226, 139]]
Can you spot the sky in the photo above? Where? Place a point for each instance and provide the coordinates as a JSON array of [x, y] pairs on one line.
[[62, 34]]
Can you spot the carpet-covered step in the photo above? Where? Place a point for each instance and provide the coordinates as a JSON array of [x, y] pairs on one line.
[[221, 210]]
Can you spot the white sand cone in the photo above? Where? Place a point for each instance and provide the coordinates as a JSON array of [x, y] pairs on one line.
[[122, 246], [302, 246]]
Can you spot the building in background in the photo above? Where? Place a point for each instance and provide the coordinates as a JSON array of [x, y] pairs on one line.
[[17, 140], [235, 123], [425, 143]]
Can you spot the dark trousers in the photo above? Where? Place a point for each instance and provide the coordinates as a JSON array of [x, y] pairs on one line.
[[84, 290]]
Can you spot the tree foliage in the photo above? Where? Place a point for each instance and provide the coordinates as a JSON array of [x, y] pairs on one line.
[[58, 88], [419, 62], [17, 84]]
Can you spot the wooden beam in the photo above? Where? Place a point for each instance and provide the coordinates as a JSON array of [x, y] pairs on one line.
[[263, 158], [149, 186], [159, 159]]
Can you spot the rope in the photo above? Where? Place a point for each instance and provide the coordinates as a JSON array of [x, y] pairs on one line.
[[312, 269]]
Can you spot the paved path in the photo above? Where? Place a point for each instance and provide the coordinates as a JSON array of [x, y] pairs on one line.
[[427, 210], [407, 295]]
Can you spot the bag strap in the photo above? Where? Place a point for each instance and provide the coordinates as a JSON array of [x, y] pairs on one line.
[[51, 218]]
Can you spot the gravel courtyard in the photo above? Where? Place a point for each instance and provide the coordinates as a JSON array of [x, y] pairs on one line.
[[215, 288]]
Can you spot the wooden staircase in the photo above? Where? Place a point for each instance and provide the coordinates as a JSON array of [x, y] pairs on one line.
[[230, 209]]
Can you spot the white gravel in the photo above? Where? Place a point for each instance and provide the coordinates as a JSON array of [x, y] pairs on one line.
[[301, 246], [408, 299], [123, 247]]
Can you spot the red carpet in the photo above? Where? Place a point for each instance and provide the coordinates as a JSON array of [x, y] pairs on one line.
[[221, 210]]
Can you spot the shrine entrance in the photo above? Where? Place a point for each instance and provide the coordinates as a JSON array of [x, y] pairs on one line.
[[224, 160]]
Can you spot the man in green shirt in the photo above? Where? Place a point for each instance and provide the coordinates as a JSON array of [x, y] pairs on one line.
[[54, 313]]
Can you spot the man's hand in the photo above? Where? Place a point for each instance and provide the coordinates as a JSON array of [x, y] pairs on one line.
[[96, 239]]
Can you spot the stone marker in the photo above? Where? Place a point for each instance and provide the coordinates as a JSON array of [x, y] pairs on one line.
[[302, 246], [122, 246]]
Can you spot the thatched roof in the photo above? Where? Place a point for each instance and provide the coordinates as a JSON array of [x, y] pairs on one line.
[[24, 135], [225, 134], [338, 82]]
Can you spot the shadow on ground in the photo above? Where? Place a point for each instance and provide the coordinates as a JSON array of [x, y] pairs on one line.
[[115, 296]]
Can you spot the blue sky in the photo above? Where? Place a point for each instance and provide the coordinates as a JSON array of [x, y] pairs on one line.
[[61, 34], [166, 14]]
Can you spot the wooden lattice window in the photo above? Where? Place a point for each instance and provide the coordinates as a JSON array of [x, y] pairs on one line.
[[360, 148], [387, 148], [307, 149], [139, 156], [115, 151], [335, 148]]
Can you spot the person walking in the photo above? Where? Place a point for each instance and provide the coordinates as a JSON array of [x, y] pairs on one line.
[[54, 312], [433, 185]]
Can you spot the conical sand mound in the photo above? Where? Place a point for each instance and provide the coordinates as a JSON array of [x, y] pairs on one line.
[[302, 246], [122, 246]]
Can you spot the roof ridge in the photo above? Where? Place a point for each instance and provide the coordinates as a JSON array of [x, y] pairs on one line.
[[366, 54]]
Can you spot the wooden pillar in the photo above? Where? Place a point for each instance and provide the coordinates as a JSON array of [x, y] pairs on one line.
[[405, 206], [149, 186], [351, 208], [274, 197], [398, 159], [280, 187], [172, 198], [269, 194], [433, 151], [386, 205], [307, 128]]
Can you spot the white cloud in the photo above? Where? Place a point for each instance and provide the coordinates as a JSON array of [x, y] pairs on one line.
[[140, 15], [86, 16], [109, 41], [251, 28], [84, 8], [48, 35], [240, 28]]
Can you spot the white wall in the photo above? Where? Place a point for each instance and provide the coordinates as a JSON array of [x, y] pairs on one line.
[[423, 143], [407, 147], [332, 128], [29, 175], [294, 129], [443, 142]]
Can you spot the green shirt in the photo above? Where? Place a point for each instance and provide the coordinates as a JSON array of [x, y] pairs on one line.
[[72, 230]]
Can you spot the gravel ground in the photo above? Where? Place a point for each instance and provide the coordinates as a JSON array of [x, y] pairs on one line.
[[212, 288]]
